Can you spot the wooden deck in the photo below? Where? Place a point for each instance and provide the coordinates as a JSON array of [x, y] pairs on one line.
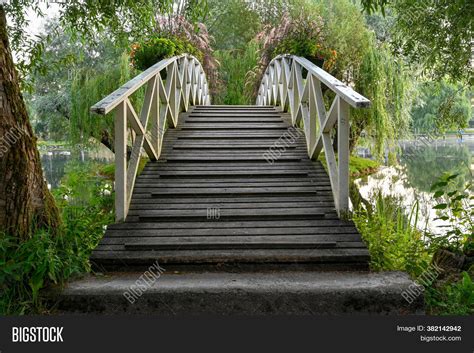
[[214, 198]]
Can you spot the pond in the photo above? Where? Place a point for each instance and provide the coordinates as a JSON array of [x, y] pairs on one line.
[[54, 160], [412, 179]]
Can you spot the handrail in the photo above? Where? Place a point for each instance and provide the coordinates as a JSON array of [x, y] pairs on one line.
[[185, 85], [283, 85]]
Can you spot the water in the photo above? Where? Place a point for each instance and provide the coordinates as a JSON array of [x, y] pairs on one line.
[[54, 161], [412, 180]]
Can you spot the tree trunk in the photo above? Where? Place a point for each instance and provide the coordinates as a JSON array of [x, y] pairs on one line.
[[26, 204]]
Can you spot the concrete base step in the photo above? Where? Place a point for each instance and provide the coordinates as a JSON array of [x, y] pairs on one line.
[[249, 293]]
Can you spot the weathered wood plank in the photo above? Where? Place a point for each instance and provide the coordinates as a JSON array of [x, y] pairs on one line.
[[229, 199], [229, 214], [222, 256], [229, 190], [329, 233], [232, 224], [228, 243]]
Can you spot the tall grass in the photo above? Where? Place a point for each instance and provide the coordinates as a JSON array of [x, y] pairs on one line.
[[394, 242], [234, 66]]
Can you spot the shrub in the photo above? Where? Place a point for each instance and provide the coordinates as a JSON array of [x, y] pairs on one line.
[[175, 35], [159, 47], [152, 51]]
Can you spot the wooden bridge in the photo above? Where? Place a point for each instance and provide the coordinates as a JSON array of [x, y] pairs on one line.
[[232, 184]]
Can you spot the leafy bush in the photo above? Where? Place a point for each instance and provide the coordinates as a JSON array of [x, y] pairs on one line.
[[175, 35], [50, 258], [152, 51], [157, 48]]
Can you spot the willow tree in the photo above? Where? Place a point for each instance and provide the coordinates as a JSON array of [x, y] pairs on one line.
[[382, 79], [437, 34], [26, 205]]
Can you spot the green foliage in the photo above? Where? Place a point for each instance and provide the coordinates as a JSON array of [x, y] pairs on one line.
[[441, 106], [454, 298], [192, 38], [298, 33], [358, 166], [455, 207], [234, 66], [394, 242], [89, 85], [345, 31], [374, 5], [120, 19], [382, 25], [245, 24], [45, 259], [383, 80], [59, 107], [435, 34], [153, 51], [438, 35], [157, 48]]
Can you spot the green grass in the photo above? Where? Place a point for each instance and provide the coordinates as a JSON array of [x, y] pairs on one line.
[[108, 170], [48, 143], [358, 166]]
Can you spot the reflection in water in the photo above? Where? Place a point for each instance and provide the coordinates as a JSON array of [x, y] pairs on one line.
[[54, 162], [412, 180], [427, 164]]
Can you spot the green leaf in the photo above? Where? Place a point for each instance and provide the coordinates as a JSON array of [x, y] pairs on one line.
[[451, 177], [438, 194], [440, 206], [438, 185]]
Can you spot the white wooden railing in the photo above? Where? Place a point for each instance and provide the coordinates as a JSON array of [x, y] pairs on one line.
[[185, 85], [283, 85]]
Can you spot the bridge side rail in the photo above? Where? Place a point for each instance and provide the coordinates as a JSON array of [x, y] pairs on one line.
[[185, 85], [284, 85]]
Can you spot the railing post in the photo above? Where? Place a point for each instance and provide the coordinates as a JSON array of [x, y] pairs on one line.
[[155, 117], [343, 157], [121, 162]]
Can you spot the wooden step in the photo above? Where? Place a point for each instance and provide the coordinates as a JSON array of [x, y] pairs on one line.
[[229, 243]]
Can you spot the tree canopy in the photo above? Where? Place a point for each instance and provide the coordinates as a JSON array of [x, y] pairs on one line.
[[437, 34]]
